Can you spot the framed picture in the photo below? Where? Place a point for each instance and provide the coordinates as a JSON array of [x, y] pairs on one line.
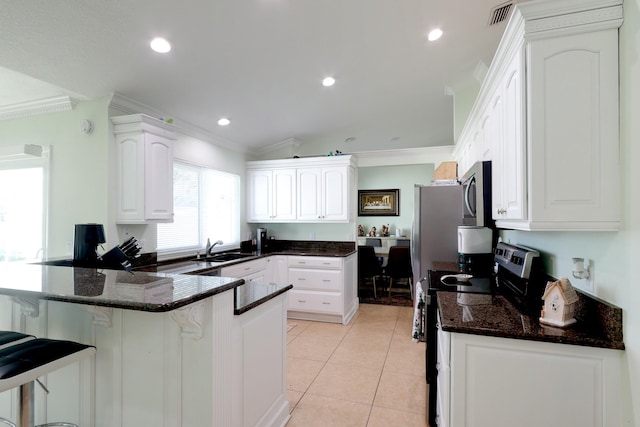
[[379, 202]]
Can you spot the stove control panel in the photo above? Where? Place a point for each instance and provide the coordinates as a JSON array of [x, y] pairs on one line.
[[516, 259]]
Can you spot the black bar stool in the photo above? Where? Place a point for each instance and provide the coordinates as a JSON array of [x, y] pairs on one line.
[[8, 338], [23, 363]]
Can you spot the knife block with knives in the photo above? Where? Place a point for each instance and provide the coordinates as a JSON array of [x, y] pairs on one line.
[[120, 256]]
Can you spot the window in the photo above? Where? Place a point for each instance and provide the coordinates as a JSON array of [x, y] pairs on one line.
[[206, 205], [22, 212]]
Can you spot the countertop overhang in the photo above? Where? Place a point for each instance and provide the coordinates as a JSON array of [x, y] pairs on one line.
[[495, 315], [153, 292]]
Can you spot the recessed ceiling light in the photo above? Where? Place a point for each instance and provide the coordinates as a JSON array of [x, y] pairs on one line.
[[160, 45], [328, 81], [224, 121], [435, 34]]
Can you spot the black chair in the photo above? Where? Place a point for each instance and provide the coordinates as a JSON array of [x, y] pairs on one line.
[[377, 243], [22, 363], [368, 266], [398, 267], [373, 242]]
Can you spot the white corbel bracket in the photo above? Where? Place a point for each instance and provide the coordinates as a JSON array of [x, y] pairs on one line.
[[190, 320], [102, 316], [28, 306]]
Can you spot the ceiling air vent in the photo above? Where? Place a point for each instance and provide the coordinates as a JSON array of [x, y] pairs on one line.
[[500, 13]]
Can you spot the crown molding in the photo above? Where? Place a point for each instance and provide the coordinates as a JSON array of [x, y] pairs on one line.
[[41, 106], [131, 106], [291, 143], [405, 156]]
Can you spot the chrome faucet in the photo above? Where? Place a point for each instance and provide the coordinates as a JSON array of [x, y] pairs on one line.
[[209, 247]]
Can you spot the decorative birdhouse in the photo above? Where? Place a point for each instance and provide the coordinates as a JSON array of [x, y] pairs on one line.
[[560, 300]]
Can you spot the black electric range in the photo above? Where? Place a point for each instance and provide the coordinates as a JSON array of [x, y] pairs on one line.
[[517, 274]]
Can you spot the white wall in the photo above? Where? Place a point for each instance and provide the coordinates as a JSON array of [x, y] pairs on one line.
[[390, 177], [615, 255], [82, 184], [78, 173]]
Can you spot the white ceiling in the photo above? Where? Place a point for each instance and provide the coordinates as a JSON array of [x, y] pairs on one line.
[[258, 62]]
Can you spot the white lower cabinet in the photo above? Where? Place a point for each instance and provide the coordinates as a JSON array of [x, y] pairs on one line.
[[502, 382], [259, 366], [255, 270], [324, 288], [444, 379], [277, 269]]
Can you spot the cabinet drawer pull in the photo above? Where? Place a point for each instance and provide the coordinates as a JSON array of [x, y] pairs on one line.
[[326, 263], [301, 279], [302, 300], [326, 280], [326, 303]]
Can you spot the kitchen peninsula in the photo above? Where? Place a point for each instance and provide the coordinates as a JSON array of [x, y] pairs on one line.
[[172, 349]]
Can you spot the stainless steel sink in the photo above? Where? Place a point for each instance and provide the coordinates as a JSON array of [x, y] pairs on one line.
[[225, 257]]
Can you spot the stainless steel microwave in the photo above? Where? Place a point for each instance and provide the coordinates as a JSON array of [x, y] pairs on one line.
[[477, 195]]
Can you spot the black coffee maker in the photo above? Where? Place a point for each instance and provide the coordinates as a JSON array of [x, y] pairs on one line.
[[86, 240]]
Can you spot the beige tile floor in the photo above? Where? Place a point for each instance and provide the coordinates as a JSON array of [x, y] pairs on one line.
[[366, 373]]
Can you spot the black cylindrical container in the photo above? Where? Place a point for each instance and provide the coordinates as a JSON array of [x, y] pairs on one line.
[[86, 239]]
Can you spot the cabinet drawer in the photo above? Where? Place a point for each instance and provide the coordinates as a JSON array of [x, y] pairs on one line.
[[315, 262], [319, 302], [245, 268], [324, 280]]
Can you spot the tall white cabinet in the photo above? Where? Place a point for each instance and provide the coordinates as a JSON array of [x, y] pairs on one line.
[[144, 169], [315, 189], [551, 99]]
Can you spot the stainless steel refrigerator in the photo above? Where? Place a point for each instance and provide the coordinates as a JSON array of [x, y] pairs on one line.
[[437, 213]]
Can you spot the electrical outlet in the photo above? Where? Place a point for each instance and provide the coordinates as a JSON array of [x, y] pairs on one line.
[[69, 247], [589, 283], [312, 235]]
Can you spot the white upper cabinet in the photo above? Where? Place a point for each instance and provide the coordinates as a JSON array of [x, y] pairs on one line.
[[271, 195], [507, 134], [549, 111], [144, 175], [318, 189], [323, 194]]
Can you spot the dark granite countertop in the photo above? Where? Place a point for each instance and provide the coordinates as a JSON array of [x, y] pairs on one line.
[[495, 315], [154, 292], [251, 295], [277, 247]]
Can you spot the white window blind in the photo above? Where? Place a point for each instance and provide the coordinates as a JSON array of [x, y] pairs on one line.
[[206, 205]]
